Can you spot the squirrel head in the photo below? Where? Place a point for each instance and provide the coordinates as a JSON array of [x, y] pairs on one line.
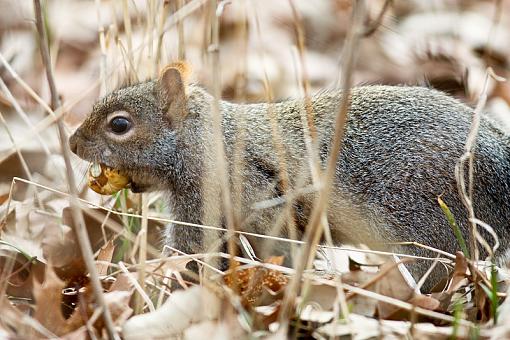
[[133, 129]]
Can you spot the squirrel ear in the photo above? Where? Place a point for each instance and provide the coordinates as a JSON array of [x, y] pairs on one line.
[[183, 67], [172, 90]]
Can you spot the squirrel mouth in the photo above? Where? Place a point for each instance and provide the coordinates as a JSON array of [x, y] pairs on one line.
[[106, 180], [137, 188]]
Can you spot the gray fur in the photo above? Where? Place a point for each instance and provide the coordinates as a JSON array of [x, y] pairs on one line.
[[399, 153]]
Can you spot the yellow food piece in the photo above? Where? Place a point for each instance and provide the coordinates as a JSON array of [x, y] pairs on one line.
[[105, 180]]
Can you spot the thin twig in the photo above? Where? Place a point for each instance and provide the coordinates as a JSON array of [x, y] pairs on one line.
[[313, 229], [102, 44], [377, 22], [118, 228], [152, 64], [137, 286], [143, 248], [164, 14], [285, 218], [129, 39], [180, 31], [310, 138], [466, 194], [183, 12], [219, 149], [385, 271], [193, 257], [424, 246], [81, 232], [14, 317]]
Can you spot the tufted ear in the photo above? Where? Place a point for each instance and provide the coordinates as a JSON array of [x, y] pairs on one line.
[[172, 90]]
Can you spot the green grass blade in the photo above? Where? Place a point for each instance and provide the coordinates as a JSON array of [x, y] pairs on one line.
[[494, 291], [26, 255], [456, 230]]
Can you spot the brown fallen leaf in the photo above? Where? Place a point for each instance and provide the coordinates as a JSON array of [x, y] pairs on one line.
[[3, 198], [25, 228], [118, 303], [215, 330], [48, 307], [444, 299], [13, 319], [172, 264], [424, 301], [181, 310], [62, 250], [459, 278], [482, 303], [105, 255], [81, 333], [22, 272], [122, 282], [50, 301], [394, 285], [460, 273], [256, 283], [94, 229]]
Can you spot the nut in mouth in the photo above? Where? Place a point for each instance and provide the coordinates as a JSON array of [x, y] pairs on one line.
[[105, 180]]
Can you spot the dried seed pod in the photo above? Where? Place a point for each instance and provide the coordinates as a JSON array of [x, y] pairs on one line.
[[105, 180]]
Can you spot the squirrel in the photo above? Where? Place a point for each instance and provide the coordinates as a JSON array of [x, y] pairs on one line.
[[398, 155]]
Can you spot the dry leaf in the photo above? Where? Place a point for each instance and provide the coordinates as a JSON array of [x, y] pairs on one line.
[[14, 320], [394, 285], [122, 282], [444, 299], [321, 294], [361, 304], [425, 302], [214, 330], [118, 303], [172, 264], [48, 308], [182, 309], [93, 226], [313, 314], [61, 248], [258, 285], [22, 272], [81, 333], [360, 327], [25, 228], [105, 255], [460, 273]]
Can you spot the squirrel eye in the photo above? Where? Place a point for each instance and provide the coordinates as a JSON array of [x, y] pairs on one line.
[[120, 125]]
